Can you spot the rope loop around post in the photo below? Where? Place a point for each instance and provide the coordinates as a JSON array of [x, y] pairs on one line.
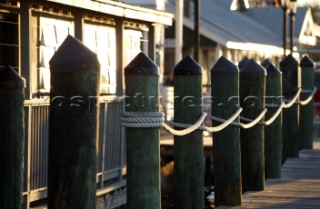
[[142, 119], [156, 120], [309, 99], [293, 101]]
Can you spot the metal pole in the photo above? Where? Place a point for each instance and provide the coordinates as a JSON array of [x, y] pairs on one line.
[[178, 31], [196, 29], [291, 31], [284, 39]]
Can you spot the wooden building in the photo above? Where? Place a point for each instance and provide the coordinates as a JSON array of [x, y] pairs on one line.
[[31, 32]]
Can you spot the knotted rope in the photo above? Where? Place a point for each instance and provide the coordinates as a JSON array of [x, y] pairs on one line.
[[156, 120]]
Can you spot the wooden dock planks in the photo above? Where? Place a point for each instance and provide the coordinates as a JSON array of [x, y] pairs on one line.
[[299, 187]]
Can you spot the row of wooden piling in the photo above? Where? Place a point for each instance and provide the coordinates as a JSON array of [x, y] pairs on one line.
[[243, 158]]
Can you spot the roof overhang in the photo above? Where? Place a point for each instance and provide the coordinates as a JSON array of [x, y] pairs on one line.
[[262, 48], [121, 10]]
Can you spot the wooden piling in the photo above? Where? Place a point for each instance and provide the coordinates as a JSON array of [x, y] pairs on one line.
[[226, 143], [75, 81], [290, 128], [143, 164], [243, 62], [11, 137], [265, 63], [273, 132], [188, 149], [252, 92], [307, 111]]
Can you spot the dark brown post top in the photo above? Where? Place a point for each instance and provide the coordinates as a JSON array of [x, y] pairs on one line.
[[243, 62], [224, 67], [253, 69], [306, 62], [10, 79], [187, 66], [289, 61], [72, 55], [142, 65], [265, 63], [272, 70]]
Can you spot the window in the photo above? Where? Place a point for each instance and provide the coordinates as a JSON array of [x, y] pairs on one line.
[[132, 44], [102, 41], [9, 48], [52, 34]]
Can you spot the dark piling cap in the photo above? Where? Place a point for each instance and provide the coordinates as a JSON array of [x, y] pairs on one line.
[[224, 67], [253, 69], [72, 55], [187, 66], [142, 65], [272, 70], [265, 63], [289, 62], [10, 79], [243, 62], [306, 62]]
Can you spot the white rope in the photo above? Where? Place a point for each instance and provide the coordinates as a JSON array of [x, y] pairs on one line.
[[309, 99], [211, 129], [225, 123], [142, 119], [294, 99], [242, 125], [189, 128], [252, 122], [275, 115], [156, 120], [221, 120]]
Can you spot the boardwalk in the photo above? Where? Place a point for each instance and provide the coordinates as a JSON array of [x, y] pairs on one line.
[[298, 189]]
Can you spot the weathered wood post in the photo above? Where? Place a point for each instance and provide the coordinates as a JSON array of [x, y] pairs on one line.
[[273, 132], [143, 155], [226, 143], [75, 79], [11, 137], [306, 111], [188, 149], [252, 92], [290, 127], [265, 63], [243, 62]]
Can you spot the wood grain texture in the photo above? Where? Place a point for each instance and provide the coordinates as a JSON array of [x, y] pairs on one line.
[[298, 188]]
